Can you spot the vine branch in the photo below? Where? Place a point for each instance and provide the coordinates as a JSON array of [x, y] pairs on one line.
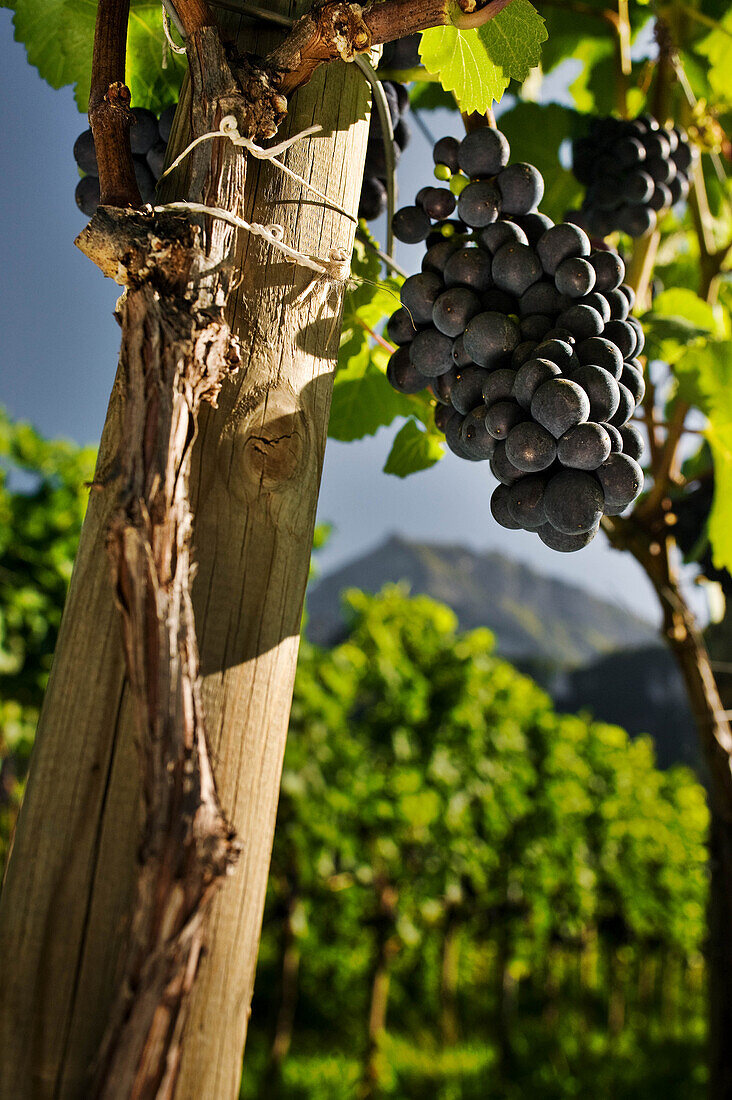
[[109, 103]]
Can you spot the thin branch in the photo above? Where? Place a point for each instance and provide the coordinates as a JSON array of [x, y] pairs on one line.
[[663, 471], [109, 103]]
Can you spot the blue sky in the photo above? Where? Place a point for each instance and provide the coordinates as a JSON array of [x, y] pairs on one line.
[[60, 342]]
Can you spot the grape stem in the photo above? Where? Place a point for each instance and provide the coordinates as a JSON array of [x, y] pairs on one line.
[[109, 103]]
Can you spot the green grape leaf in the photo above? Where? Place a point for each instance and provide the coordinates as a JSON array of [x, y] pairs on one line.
[[413, 449], [59, 37], [477, 65], [363, 400], [717, 49], [678, 320]]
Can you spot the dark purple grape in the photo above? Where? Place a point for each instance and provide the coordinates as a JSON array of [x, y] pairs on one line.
[[640, 336], [402, 375], [623, 336], [441, 387], [556, 351], [621, 479], [437, 202], [529, 376], [638, 186], [601, 353], [467, 389], [431, 353], [582, 321], [632, 379], [619, 307], [598, 302], [562, 242], [530, 448], [460, 356], [87, 195], [601, 388], [85, 154], [522, 352], [500, 509], [574, 277], [632, 441], [443, 413], [143, 131], [501, 417], [400, 327], [435, 258], [479, 204], [521, 187], [372, 203], [526, 502], [515, 268], [635, 220], [573, 502], [498, 301], [657, 145], [501, 466], [609, 270], [625, 409], [410, 225], [474, 437], [469, 267], [559, 404], [490, 338], [483, 153], [540, 298], [678, 189], [629, 152], [144, 177], [453, 436], [682, 155], [662, 197], [402, 135], [445, 152], [584, 447], [499, 233], [453, 309], [498, 386], [616, 439], [565, 544], [534, 225], [419, 294]]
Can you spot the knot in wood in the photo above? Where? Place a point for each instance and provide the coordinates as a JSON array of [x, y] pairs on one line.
[[265, 106], [342, 26], [273, 453], [118, 95]]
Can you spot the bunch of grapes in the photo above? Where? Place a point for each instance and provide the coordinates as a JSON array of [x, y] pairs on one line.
[[633, 170], [522, 332], [373, 190], [149, 140], [692, 516]]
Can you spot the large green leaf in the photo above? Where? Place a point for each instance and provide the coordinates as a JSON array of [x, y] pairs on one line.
[[59, 37], [363, 400], [414, 449], [477, 65], [678, 320], [717, 49]]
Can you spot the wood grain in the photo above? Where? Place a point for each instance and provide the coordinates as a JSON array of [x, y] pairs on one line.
[[257, 465]]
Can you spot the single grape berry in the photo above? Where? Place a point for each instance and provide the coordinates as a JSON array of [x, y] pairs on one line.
[[453, 309], [419, 294], [600, 352], [445, 152], [501, 232], [466, 391], [574, 277], [565, 544], [621, 479], [584, 447], [609, 270], [515, 268], [632, 441], [165, 122], [474, 437], [601, 388], [437, 202], [625, 409], [483, 153], [156, 158], [521, 187], [402, 375], [87, 195], [470, 267], [502, 467], [501, 417], [562, 242], [431, 353], [85, 153], [435, 258], [372, 202], [573, 502], [498, 386], [526, 502], [489, 338], [479, 204], [632, 379], [400, 328], [559, 404], [410, 225], [144, 131], [529, 376], [500, 508], [530, 448]]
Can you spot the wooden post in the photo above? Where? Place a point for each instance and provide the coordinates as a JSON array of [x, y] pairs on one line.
[[256, 469]]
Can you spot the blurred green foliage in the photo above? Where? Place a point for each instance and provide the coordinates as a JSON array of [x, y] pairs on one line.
[[43, 494]]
